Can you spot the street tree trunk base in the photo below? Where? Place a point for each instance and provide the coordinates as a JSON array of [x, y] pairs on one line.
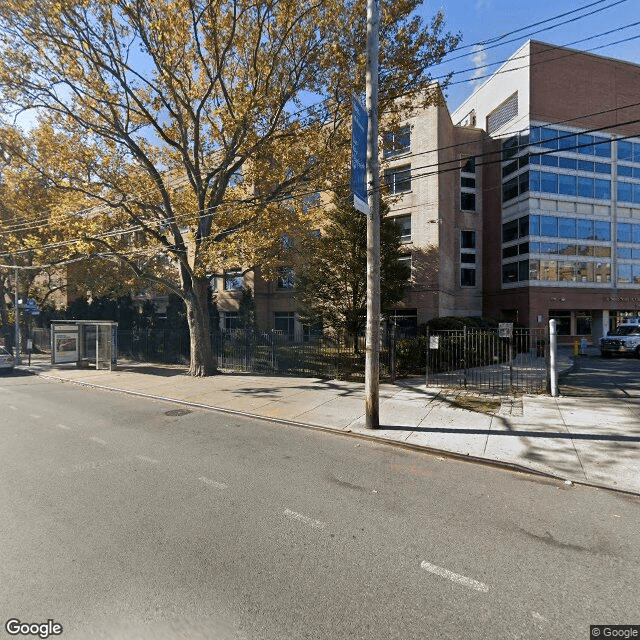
[[202, 363]]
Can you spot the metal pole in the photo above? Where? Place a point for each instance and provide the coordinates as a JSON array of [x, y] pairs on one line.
[[553, 369], [17, 324], [372, 360]]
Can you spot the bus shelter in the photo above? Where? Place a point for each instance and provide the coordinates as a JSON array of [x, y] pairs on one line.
[[88, 343]]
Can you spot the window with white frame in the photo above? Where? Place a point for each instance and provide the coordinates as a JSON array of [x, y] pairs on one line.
[[468, 254], [406, 260], [397, 142], [398, 179], [468, 184], [233, 280], [284, 322], [404, 223]]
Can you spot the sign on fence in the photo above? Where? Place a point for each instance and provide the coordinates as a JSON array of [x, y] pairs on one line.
[[505, 329], [434, 342]]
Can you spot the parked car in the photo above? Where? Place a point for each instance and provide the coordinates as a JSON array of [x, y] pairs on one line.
[[625, 340], [6, 360]]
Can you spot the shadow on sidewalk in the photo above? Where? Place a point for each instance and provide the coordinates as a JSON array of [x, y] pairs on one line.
[[153, 370], [519, 434]]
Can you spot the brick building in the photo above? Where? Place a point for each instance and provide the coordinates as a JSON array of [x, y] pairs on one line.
[[522, 205], [561, 203]]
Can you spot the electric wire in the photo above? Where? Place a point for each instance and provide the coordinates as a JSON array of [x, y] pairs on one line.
[[35, 224], [184, 180], [439, 171]]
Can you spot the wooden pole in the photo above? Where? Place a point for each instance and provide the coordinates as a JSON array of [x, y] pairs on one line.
[[372, 360]]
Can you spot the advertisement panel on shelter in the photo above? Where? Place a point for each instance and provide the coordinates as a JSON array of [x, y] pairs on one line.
[[65, 347]]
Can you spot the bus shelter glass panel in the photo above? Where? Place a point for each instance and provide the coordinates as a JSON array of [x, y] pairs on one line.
[[104, 344]]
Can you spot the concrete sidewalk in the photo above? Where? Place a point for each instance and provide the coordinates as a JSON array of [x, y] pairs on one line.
[[586, 440]]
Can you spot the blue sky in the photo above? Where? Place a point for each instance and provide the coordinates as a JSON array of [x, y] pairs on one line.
[[482, 20]]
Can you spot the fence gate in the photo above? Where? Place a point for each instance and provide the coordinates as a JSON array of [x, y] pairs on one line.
[[504, 359]]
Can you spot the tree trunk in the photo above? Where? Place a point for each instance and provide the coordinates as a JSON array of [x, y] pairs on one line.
[[203, 362]]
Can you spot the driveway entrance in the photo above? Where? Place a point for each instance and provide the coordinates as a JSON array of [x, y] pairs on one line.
[[593, 375]]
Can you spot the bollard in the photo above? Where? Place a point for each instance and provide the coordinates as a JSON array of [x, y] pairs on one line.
[[553, 369]]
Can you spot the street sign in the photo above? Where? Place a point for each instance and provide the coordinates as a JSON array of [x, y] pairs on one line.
[[505, 329], [359, 128], [30, 306]]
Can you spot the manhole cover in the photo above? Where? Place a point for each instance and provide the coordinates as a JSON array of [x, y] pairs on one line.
[[177, 412]]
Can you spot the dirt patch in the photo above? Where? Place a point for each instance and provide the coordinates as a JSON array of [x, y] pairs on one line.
[[479, 405]]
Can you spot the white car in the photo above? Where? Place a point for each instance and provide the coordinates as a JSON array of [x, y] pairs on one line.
[[6, 360], [625, 340]]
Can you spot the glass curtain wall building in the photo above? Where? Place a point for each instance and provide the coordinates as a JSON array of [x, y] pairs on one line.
[[568, 163]]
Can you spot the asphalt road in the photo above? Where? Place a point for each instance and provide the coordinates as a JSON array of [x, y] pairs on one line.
[[617, 377], [125, 518]]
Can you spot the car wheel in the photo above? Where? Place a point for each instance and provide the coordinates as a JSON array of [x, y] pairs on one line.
[[637, 353], [606, 354]]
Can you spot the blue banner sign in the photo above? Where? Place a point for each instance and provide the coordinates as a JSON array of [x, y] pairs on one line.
[[359, 127]]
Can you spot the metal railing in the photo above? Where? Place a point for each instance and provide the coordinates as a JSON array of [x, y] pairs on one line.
[[256, 352], [480, 359]]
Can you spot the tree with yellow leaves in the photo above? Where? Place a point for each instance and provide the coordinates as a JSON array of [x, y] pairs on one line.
[[184, 121]]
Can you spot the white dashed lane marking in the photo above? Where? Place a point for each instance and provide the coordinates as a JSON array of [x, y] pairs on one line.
[[12, 407], [145, 459], [35, 416], [315, 524], [63, 426], [98, 440], [455, 577], [213, 483]]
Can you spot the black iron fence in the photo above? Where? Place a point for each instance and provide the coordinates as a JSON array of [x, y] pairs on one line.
[[257, 352], [476, 359], [483, 359]]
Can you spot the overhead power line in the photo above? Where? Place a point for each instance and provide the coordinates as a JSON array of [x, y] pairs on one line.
[[437, 171], [494, 42], [42, 222]]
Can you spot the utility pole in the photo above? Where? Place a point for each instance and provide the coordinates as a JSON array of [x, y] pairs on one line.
[[372, 361], [17, 359]]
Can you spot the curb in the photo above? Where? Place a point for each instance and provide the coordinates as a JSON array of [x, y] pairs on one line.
[[461, 457]]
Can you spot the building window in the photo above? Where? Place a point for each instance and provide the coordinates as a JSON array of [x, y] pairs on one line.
[[231, 320], [284, 322], [517, 186], [563, 321], [582, 144], [404, 222], [468, 258], [311, 332], [406, 322], [398, 179], [233, 280], [503, 113], [406, 260], [468, 184], [286, 278], [397, 142], [510, 272]]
